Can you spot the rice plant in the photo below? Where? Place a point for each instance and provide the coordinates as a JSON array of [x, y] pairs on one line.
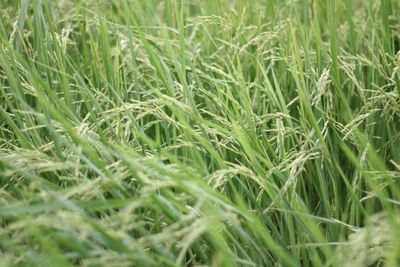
[[199, 133]]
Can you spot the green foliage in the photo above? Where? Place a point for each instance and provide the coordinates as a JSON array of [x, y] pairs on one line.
[[199, 133]]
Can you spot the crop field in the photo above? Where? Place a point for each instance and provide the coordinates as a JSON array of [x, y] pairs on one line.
[[200, 133]]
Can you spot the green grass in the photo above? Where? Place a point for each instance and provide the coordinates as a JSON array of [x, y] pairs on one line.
[[200, 133]]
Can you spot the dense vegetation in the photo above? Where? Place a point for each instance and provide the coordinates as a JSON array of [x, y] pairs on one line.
[[199, 132]]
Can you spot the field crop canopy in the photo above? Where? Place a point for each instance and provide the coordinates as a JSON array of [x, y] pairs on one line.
[[200, 133]]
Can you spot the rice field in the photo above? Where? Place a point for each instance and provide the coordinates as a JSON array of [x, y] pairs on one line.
[[200, 133]]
